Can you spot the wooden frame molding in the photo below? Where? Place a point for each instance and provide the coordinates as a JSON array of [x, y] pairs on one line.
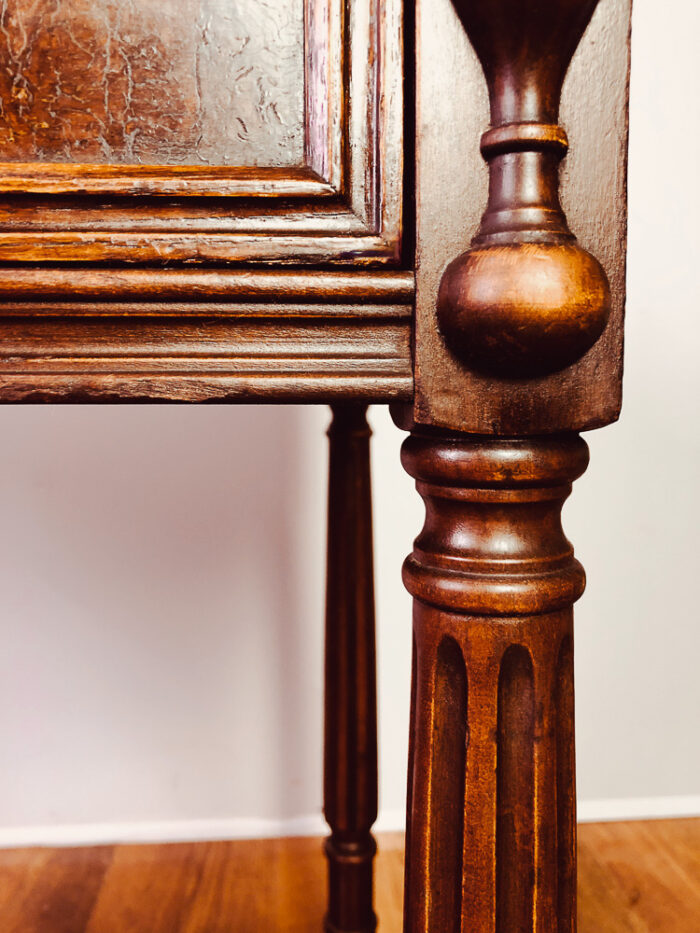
[[343, 205], [205, 335]]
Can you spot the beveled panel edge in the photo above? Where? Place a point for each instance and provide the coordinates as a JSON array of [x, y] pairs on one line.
[[324, 112], [161, 181], [364, 174]]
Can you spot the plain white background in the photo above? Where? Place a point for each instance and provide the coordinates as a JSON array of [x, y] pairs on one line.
[[161, 569]]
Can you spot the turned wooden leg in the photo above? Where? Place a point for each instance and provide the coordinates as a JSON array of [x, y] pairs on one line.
[[350, 784], [492, 833]]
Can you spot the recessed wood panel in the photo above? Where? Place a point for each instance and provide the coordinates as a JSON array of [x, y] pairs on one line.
[[158, 82], [208, 131], [196, 155]]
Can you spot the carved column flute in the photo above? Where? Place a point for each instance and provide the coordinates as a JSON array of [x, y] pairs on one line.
[[491, 845]]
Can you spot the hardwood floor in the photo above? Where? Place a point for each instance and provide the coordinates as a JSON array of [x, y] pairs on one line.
[[636, 877]]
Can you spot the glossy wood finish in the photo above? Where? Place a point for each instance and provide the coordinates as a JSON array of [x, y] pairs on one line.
[[104, 81], [138, 171], [491, 831], [633, 878], [187, 335], [182, 266], [334, 197], [517, 346], [525, 299], [452, 191], [156, 215], [350, 785]]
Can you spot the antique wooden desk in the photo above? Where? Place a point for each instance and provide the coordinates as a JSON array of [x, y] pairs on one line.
[[263, 200]]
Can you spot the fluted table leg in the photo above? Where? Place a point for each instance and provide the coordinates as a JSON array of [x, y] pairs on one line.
[[492, 787], [350, 783]]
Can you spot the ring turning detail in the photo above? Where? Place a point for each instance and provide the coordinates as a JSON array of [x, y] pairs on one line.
[[526, 299]]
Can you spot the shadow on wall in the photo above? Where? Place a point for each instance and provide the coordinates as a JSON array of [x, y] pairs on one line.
[[160, 612]]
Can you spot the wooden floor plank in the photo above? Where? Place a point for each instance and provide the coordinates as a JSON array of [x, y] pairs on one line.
[[633, 878], [642, 877], [50, 890]]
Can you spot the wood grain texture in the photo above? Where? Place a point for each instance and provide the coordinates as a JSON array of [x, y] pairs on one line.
[[492, 784], [633, 878], [350, 734], [266, 195], [525, 299], [173, 358], [451, 193], [639, 877], [137, 335], [114, 81]]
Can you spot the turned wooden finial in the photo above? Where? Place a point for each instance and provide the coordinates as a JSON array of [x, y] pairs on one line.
[[526, 299]]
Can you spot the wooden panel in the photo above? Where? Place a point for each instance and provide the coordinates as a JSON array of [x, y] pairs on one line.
[[452, 113], [281, 103], [114, 81], [260, 132], [269, 110]]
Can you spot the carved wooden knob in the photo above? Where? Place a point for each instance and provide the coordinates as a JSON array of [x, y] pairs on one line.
[[526, 299]]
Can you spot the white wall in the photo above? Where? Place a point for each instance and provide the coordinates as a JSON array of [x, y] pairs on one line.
[[161, 569]]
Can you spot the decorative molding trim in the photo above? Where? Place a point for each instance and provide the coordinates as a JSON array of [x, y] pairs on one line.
[[344, 205], [205, 335]]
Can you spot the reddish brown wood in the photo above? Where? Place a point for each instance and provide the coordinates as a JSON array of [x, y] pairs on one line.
[[276, 885], [286, 117], [491, 843], [135, 181], [145, 280], [187, 335], [452, 191], [99, 81], [350, 789], [525, 299], [509, 361]]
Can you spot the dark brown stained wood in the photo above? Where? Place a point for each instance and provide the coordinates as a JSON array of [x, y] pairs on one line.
[[448, 776], [120, 229], [515, 818], [451, 192], [212, 358], [268, 113], [518, 343], [24, 283], [186, 335], [350, 744], [566, 779], [409, 890], [112, 81], [492, 575], [525, 299]]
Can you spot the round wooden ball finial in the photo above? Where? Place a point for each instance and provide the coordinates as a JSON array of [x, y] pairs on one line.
[[526, 299]]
